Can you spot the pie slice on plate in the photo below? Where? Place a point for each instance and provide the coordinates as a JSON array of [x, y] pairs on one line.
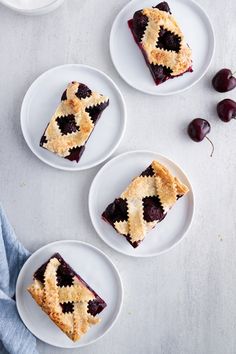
[[74, 121], [162, 42], [65, 297], [144, 203]]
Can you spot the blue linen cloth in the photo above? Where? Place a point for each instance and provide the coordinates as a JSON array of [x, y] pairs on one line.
[[15, 338]]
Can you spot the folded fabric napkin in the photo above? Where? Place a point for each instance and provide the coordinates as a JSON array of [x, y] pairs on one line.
[[14, 336]]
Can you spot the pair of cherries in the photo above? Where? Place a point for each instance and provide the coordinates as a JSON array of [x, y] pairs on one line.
[[223, 81]]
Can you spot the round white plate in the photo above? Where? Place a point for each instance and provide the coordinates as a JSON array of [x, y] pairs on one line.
[[111, 181], [129, 60], [94, 267], [42, 99]]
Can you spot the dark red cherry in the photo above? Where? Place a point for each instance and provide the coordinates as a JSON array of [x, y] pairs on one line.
[[226, 110], [198, 130], [224, 80]]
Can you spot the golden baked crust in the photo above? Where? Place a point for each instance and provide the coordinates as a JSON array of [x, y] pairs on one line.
[[178, 62], [49, 296], [61, 144], [161, 184]]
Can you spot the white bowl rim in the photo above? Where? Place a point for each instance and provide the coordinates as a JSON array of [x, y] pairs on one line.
[[30, 11]]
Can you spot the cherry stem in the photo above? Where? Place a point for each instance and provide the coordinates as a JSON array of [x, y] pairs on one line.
[[213, 148]]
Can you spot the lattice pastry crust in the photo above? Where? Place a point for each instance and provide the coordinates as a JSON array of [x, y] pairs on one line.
[[178, 62], [50, 297], [162, 42], [158, 187], [72, 123]]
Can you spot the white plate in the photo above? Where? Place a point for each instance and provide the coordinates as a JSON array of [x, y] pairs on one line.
[[129, 60], [43, 97], [110, 182], [94, 267]]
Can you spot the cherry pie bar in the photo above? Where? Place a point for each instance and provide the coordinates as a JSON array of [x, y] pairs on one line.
[[73, 121], [65, 297], [162, 42], [144, 203]]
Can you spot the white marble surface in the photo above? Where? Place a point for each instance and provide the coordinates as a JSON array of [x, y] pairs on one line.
[[182, 302]]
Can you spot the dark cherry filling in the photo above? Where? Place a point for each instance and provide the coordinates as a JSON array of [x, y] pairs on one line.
[[168, 40], [64, 96], [67, 307], [163, 6], [160, 73], [67, 124], [96, 306], [148, 172], [83, 91], [43, 140], [64, 278], [75, 153], [64, 275], [96, 111], [39, 274], [116, 211], [152, 209], [139, 24]]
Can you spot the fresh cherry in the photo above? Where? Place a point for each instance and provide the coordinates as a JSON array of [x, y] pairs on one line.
[[198, 129], [226, 110], [224, 80]]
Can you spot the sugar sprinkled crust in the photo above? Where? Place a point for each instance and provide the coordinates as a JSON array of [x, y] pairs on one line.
[[74, 112], [162, 42], [51, 297], [160, 185], [178, 62]]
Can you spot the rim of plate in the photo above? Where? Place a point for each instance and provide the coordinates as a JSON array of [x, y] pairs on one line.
[[100, 233], [101, 160], [20, 277], [175, 91], [30, 11]]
